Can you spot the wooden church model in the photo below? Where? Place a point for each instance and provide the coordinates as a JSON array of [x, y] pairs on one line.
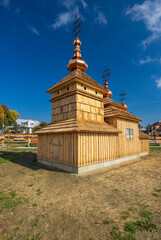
[[88, 129]]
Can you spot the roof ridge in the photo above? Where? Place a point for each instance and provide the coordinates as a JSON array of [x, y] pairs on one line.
[[76, 73]]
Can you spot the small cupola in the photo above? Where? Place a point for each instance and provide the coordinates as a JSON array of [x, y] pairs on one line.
[[122, 98]]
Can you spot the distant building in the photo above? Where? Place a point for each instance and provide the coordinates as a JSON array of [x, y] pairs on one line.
[[156, 129], [26, 125], [142, 129]]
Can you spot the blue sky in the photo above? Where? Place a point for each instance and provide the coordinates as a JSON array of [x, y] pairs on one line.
[[36, 44]]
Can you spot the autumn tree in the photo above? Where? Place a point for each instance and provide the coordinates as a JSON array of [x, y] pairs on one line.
[[14, 115], [9, 115], [2, 116]]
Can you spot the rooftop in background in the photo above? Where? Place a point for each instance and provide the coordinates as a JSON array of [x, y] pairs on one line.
[[27, 122], [156, 123]]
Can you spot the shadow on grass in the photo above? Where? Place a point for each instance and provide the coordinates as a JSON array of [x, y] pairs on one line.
[[26, 159]]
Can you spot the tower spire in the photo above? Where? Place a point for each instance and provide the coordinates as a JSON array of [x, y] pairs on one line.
[[77, 62], [106, 77]]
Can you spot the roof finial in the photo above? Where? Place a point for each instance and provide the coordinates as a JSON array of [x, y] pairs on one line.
[[77, 62], [106, 77], [122, 98]]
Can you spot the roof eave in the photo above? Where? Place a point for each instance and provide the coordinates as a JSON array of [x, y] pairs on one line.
[[119, 116]]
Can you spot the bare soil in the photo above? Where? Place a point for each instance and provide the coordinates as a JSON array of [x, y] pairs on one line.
[[37, 203]]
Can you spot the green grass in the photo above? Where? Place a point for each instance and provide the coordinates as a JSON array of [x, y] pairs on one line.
[[37, 236], [146, 214], [145, 225], [106, 222], [63, 214], [2, 160], [125, 215], [10, 200], [157, 190], [39, 191], [155, 148], [2, 175], [34, 204], [117, 235], [153, 144], [21, 172], [155, 195], [129, 227], [36, 223]]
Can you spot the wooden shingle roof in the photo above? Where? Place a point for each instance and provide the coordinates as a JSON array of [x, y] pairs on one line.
[[109, 101], [112, 111], [143, 135], [79, 74], [72, 125]]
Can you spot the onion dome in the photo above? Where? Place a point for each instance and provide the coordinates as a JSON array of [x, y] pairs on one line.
[[108, 94], [124, 105], [77, 62]]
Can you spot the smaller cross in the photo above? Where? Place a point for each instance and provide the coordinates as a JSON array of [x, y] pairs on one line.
[[106, 74], [122, 96]]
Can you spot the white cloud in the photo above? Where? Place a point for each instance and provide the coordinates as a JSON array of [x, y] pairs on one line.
[[150, 13], [85, 5], [67, 3], [65, 18], [148, 60], [34, 30], [158, 82], [4, 3], [100, 17]]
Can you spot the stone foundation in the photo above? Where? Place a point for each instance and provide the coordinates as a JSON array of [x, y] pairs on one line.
[[86, 168]]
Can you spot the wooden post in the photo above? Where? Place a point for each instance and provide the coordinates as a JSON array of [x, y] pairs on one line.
[[29, 141]]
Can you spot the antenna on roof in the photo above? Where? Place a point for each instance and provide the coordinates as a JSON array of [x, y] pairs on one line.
[[77, 25], [122, 96], [106, 74]]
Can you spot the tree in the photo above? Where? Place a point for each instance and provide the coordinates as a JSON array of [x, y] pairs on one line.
[[15, 127], [41, 125], [15, 115], [2, 116], [148, 128], [9, 115]]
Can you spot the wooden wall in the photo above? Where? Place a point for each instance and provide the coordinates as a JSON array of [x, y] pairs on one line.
[[64, 108], [96, 147], [144, 145], [61, 148], [128, 147], [89, 109], [77, 149], [79, 101]]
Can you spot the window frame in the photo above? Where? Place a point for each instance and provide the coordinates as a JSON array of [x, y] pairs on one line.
[[129, 134]]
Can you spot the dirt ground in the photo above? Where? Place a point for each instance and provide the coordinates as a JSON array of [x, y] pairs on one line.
[[120, 202]]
